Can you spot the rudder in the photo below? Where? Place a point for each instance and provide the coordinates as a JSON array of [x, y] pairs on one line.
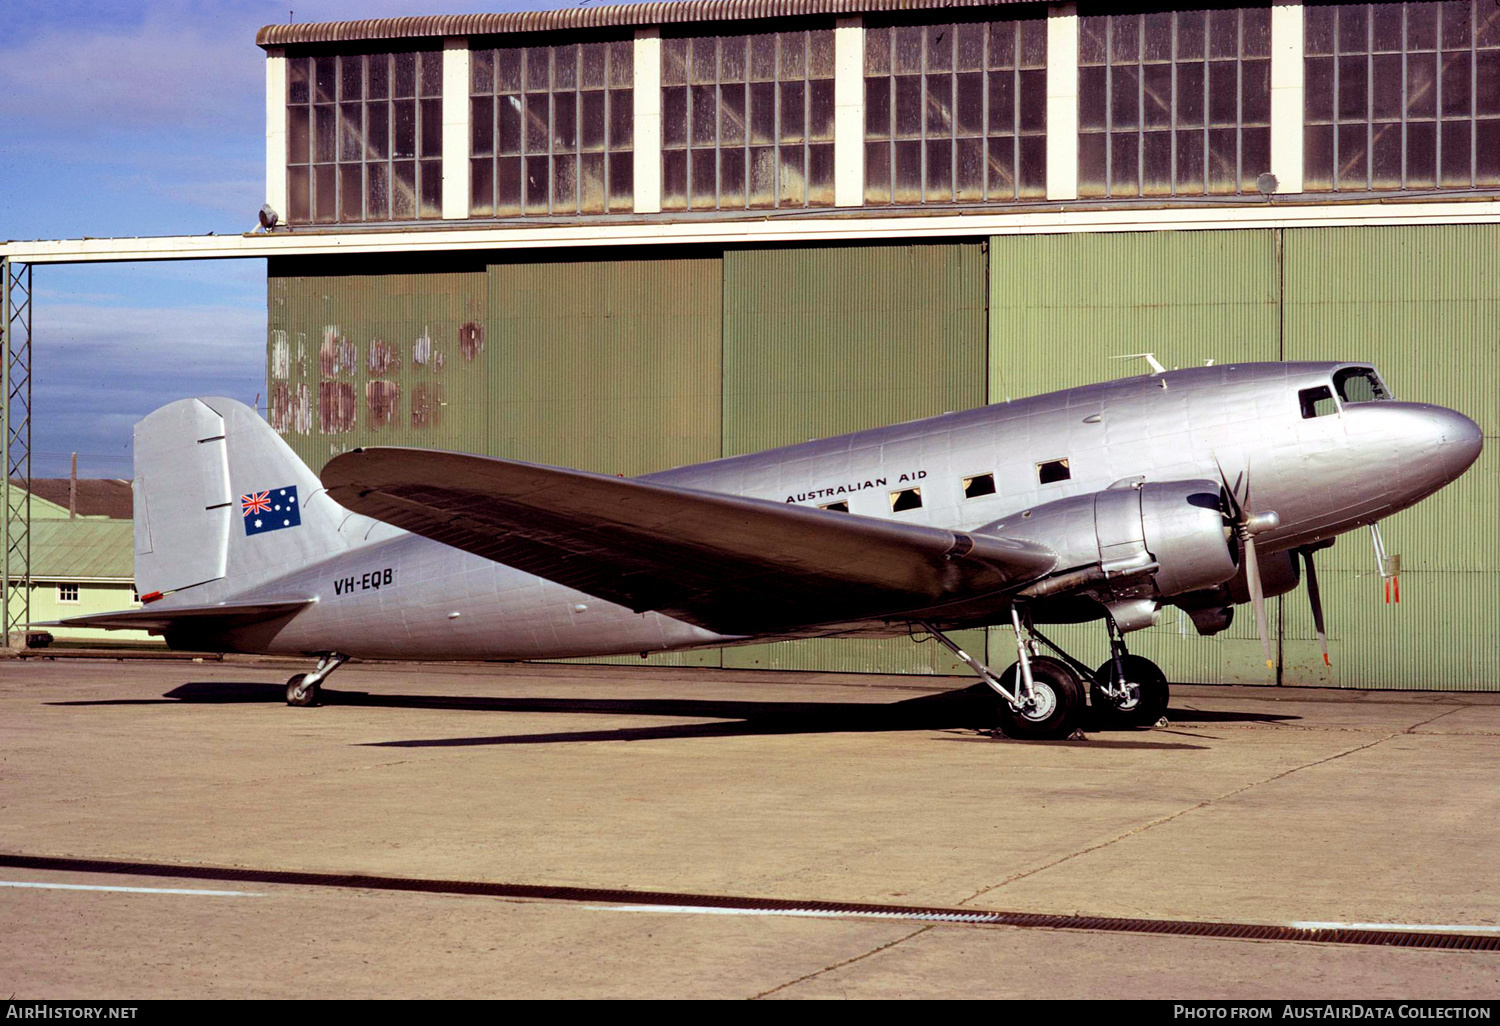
[[219, 495]]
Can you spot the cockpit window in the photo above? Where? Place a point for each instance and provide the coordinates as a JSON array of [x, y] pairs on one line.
[[1317, 402], [1359, 385]]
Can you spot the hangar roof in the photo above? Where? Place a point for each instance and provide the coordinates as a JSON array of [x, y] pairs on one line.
[[441, 25]]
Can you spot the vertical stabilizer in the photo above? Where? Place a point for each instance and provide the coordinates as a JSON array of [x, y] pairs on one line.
[[182, 500], [220, 497]]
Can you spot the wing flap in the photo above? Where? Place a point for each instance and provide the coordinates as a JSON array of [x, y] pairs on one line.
[[727, 563]]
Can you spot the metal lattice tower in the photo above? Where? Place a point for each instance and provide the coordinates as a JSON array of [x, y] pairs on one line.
[[15, 415]]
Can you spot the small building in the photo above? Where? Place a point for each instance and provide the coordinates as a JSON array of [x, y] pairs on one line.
[[84, 562]]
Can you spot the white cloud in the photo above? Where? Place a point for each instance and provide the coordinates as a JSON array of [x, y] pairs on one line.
[[183, 332], [163, 72], [99, 369]]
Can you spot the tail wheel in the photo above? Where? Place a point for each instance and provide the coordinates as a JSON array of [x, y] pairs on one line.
[[299, 693], [1149, 702], [1057, 706]]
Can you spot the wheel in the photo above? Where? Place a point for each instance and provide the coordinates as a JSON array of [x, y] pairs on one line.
[[1146, 708], [1059, 702], [297, 694]]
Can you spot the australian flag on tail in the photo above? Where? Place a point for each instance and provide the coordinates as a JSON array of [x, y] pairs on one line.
[[270, 510]]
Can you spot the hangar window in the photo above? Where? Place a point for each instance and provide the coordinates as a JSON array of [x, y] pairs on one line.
[[907, 498], [67, 593], [1174, 103], [956, 111], [1317, 402], [747, 120], [1053, 471], [980, 484], [1401, 96], [841, 506], [365, 137], [552, 129]]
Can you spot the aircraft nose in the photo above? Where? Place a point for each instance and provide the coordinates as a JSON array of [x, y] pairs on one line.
[[1459, 441], [1436, 444]]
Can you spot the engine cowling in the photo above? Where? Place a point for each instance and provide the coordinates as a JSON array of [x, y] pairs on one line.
[[1212, 609], [1153, 539]]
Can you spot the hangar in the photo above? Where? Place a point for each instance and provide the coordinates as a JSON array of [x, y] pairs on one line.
[[627, 238]]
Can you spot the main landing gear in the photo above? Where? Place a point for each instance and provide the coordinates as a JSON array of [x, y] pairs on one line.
[[1041, 698], [1128, 690], [303, 689]]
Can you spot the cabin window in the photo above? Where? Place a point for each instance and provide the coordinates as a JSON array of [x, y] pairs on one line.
[[907, 498], [1359, 385], [837, 507], [981, 484], [1053, 471], [67, 593], [1317, 402]]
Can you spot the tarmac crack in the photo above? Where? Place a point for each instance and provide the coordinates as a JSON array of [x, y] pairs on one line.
[[839, 965], [1413, 728], [1159, 821]]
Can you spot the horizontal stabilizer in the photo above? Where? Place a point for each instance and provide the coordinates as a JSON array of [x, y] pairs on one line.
[[730, 564], [198, 618]]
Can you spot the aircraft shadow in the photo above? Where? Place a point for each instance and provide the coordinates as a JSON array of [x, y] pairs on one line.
[[958, 709]]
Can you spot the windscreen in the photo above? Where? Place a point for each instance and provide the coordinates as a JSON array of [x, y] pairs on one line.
[[1360, 385]]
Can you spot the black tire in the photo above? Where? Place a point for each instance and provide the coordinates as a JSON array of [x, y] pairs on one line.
[[308, 697], [1060, 695], [1154, 695]]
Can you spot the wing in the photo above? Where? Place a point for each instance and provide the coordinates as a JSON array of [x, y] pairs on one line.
[[730, 564]]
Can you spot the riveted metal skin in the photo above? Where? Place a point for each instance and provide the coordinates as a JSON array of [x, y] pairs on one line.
[[1150, 540], [1322, 476]]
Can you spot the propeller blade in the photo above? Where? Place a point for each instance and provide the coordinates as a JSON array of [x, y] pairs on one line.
[[1235, 509], [1248, 526], [1317, 603], [1257, 599]]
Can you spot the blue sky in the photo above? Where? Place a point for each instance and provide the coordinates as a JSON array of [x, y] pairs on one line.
[[143, 118]]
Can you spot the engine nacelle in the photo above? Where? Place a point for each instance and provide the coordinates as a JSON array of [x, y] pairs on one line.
[[1212, 608], [1154, 539]]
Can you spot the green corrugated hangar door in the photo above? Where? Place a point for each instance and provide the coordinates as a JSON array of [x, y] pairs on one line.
[[1062, 306], [612, 366], [1422, 303], [375, 355], [819, 341]]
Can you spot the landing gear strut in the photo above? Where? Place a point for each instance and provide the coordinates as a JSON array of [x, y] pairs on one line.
[[302, 690], [1128, 690], [1041, 699]]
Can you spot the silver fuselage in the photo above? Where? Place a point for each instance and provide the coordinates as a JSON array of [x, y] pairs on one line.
[[1322, 475]]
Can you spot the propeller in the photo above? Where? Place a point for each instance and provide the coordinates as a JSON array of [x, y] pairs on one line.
[[1317, 603], [1247, 525]]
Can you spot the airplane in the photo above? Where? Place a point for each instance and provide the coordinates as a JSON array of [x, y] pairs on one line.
[[1198, 488]]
